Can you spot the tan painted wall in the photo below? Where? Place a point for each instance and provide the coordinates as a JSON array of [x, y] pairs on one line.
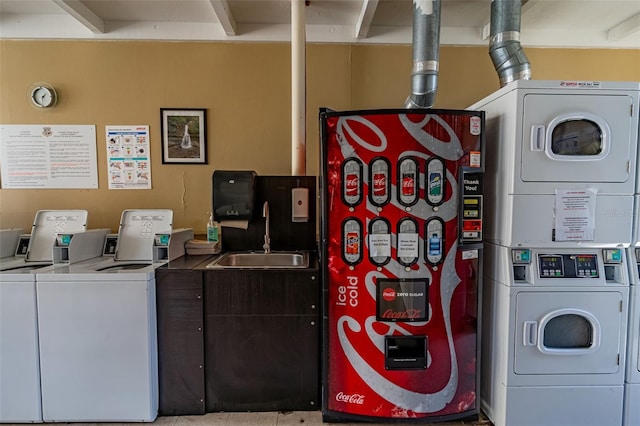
[[246, 90]]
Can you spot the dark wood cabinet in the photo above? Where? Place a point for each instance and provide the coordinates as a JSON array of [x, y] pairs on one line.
[[180, 319], [262, 340]]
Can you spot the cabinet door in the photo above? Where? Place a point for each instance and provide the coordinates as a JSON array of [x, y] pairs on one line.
[[262, 340], [180, 342], [263, 363]]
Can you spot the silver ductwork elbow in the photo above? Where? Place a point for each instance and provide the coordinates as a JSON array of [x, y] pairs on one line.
[[505, 50], [426, 54]]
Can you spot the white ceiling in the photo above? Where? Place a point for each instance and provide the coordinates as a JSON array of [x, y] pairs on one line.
[[545, 23]]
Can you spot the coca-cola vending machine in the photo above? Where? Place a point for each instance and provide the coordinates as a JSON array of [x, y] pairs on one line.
[[401, 249]]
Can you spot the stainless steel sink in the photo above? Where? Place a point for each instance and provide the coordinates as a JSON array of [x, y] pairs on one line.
[[260, 260]]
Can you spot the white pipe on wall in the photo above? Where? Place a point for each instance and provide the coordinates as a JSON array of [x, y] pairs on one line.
[[298, 88]]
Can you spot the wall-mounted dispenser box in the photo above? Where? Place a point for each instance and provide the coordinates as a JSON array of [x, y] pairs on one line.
[[233, 194], [300, 204]]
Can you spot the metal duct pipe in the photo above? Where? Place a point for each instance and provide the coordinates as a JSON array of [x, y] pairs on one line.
[[505, 50], [426, 54]]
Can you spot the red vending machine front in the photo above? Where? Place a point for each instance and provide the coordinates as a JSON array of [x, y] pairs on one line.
[[401, 247]]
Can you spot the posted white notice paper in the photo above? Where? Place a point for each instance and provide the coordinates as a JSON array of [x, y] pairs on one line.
[[575, 214], [48, 156]]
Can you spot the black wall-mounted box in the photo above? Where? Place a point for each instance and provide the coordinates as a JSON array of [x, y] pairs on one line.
[[233, 194]]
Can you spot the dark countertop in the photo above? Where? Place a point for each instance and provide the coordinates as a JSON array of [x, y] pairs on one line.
[[200, 262], [188, 261]]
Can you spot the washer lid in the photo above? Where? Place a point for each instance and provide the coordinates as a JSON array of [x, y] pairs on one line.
[[137, 232], [46, 225]]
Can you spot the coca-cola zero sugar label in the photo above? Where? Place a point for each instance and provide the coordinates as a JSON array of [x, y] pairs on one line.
[[402, 299]]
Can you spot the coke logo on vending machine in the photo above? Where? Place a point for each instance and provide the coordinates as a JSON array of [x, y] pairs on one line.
[[352, 185], [379, 184], [408, 185], [388, 294], [350, 398]]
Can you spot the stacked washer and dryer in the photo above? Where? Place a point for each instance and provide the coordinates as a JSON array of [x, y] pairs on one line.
[[560, 179], [632, 383]]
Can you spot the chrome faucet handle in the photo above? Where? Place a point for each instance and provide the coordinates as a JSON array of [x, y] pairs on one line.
[[267, 238]]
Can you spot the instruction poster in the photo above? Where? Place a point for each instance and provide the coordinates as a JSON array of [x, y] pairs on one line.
[[44, 156], [129, 165], [575, 214]]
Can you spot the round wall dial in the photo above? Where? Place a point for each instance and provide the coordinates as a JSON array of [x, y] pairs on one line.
[[43, 95]]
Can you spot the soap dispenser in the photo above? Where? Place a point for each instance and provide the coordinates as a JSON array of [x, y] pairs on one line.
[[213, 230]]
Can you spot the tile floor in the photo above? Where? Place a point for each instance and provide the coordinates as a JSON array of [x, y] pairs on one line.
[[289, 418], [306, 418]]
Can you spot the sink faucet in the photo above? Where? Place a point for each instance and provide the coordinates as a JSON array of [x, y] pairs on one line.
[[267, 239]]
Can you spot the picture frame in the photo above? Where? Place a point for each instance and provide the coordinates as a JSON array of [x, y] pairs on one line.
[[184, 139]]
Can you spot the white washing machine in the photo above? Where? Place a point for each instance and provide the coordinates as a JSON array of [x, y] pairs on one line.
[[554, 336], [97, 324], [19, 355], [631, 415]]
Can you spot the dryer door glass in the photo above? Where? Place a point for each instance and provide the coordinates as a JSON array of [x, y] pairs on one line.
[[577, 138], [568, 331]]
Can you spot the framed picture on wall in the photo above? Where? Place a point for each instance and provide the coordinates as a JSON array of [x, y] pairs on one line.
[[184, 138]]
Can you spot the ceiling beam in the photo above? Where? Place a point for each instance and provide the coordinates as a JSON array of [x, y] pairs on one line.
[[224, 15], [526, 6], [625, 28], [366, 17], [82, 14]]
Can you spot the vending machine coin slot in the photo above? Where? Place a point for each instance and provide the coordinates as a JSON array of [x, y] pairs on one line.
[[434, 241], [352, 182], [352, 241], [405, 352], [379, 182], [407, 249], [435, 182], [408, 181], [379, 241]]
